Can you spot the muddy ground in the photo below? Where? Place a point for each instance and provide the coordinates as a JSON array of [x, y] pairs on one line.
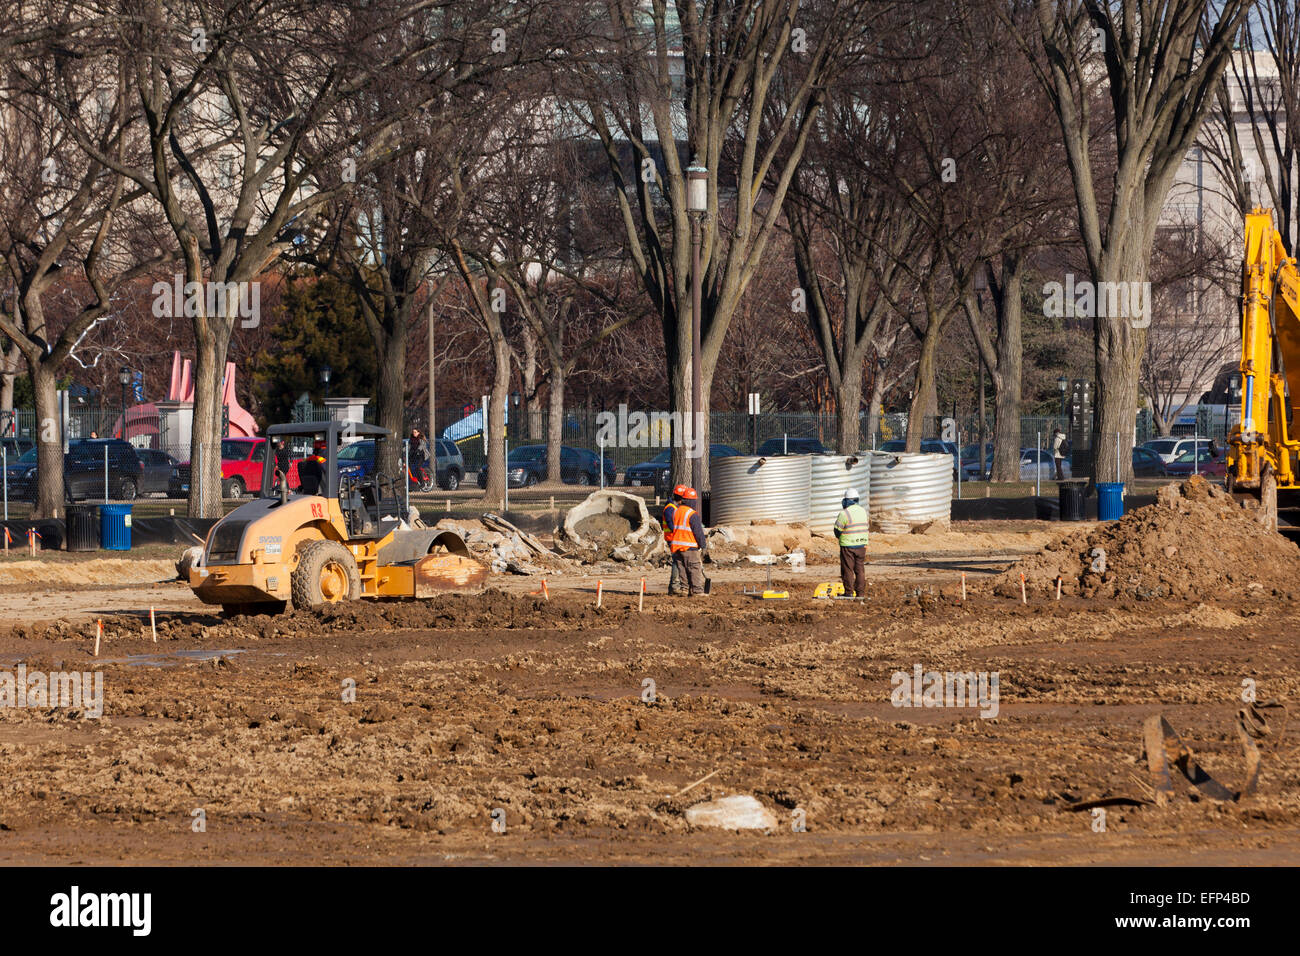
[[540, 710]]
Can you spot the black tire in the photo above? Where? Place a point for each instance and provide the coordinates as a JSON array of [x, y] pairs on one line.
[[531, 480], [233, 488], [452, 481], [326, 574], [584, 479], [127, 490]]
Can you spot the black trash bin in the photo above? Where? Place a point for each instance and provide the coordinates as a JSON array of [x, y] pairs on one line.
[[83, 528], [1072, 495]]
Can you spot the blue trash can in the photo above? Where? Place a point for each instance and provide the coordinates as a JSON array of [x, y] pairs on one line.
[[115, 527], [1110, 500]]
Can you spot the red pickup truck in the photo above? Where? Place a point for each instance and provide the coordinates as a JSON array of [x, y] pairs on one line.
[[241, 469]]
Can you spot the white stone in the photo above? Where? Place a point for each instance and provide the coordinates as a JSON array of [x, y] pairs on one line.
[[739, 812]]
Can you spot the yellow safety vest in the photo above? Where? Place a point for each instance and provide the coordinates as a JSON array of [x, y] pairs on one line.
[[851, 526]]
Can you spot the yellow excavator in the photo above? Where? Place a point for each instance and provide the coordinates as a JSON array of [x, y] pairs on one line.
[[314, 537], [1262, 454]]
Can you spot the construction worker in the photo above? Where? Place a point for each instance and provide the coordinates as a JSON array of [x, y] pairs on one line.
[[851, 533], [688, 540], [666, 522], [311, 470]]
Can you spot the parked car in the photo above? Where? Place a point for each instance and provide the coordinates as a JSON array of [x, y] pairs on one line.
[[929, 446], [1170, 447], [1045, 467], [1147, 463], [789, 445], [650, 472], [527, 467], [20, 473], [15, 448], [84, 474], [241, 469], [1202, 462], [357, 460], [972, 470], [449, 464], [157, 473]]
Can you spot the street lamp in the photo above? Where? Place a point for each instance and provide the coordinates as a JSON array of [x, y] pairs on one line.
[[325, 373], [697, 204], [124, 377], [1063, 384]]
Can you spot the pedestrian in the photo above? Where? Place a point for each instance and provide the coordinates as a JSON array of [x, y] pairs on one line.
[[1058, 452], [688, 540], [666, 521], [851, 533], [420, 453]]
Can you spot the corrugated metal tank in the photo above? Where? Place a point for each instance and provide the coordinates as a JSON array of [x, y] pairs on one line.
[[908, 490], [742, 490], [831, 474]]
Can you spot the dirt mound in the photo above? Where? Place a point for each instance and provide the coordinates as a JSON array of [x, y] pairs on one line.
[[1194, 542], [606, 531], [97, 571]]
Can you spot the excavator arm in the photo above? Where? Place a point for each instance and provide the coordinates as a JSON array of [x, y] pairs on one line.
[[1262, 453]]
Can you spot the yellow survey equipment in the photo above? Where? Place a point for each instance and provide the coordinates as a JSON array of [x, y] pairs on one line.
[[829, 589]]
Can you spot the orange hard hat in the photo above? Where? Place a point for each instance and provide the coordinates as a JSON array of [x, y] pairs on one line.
[[685, 491]]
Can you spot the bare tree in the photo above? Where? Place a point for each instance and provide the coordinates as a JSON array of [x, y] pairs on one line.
[[1158, 64], [731, 54], [64, 215], [240, 121]]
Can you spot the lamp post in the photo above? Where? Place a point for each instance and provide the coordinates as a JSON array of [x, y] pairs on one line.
[[325, 373], [124, 377], [697, 204], [1063, 384]]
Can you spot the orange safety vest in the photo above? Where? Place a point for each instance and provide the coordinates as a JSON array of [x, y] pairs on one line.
[[683, 538]]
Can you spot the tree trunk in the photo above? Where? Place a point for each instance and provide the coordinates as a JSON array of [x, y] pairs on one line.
[[49, 447], [205, 435], [9, 372], [1006, 427], [1119, 357], [848, 403], [1007, 383], [555, 423], [495, 464], [924, 397], [874, 408], [432, 426], [391, 399]]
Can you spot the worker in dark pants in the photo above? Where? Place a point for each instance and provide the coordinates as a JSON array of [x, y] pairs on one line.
[[688, 540], [666, 522], [851, 533]]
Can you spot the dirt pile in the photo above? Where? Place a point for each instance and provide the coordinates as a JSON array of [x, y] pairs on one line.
[[1196, 541], [605, 530]]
